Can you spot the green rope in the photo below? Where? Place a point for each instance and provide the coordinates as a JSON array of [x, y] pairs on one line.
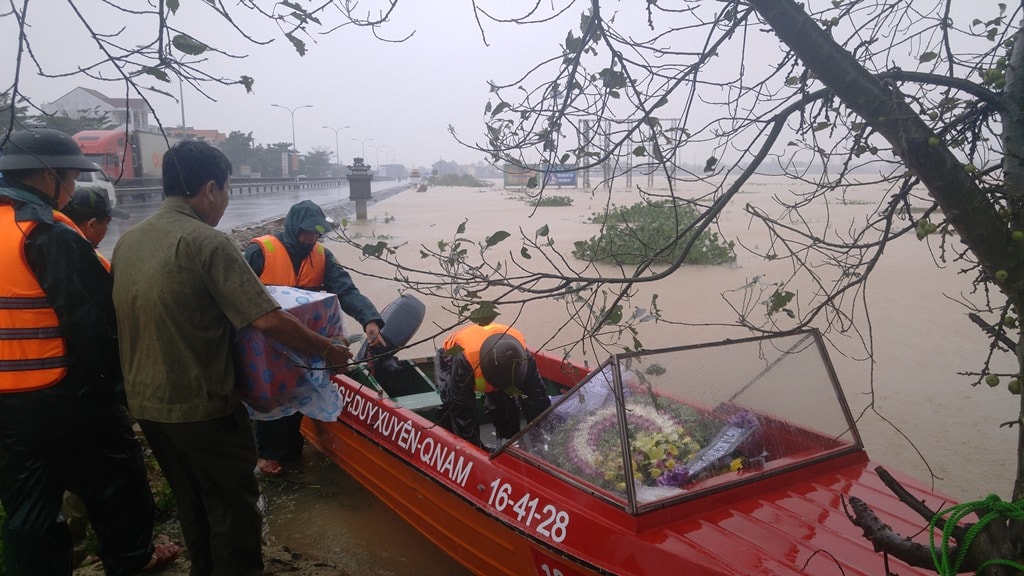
[[997, 509]]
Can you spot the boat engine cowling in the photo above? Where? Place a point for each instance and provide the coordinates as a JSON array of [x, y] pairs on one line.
[[402, 318]]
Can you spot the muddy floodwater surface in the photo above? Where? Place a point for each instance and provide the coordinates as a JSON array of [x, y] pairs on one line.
[[922, 339]]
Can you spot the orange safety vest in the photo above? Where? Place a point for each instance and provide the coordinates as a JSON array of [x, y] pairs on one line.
[[33, 352], [279, 271], [103, 260], [470, 339]]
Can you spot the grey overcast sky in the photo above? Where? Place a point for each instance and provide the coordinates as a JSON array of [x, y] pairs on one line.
[[399, 96], [402, 96]]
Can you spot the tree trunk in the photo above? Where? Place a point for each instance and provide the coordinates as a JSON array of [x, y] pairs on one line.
[[967, 207]]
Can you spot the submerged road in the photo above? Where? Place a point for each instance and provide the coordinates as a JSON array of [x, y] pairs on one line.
[[247, 209]]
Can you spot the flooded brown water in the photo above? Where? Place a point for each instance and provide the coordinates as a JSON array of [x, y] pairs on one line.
[[922, 340], [321, 511]]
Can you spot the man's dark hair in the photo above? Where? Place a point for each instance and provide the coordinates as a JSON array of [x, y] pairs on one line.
[[191, 164]]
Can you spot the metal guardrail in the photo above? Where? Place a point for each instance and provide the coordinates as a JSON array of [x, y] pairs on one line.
[[150, 189]]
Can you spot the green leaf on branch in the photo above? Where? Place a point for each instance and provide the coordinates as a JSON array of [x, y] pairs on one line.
[[525, 253], [484, 313], [247, 81], [572, 43], [375, 250], [496, 238], [157, 73], [779, 302], [612, 79], [501, 107], [927, 57], [614, 316], [188, 45], [172, 6], [299, 45], [543, 230]]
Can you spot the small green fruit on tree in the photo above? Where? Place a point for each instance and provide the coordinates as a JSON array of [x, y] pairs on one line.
[[1014, 386], [1002, 275], [992, 380], [1017, 235]]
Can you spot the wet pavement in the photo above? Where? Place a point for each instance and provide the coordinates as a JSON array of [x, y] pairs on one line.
[[245, 210]]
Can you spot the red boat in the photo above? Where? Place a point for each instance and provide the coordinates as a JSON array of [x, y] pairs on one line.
[[724, 458]]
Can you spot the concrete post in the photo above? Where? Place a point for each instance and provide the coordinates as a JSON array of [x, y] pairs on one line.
[[359, 178]]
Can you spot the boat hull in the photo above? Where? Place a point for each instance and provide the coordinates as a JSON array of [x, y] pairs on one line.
[[508, 514], [478, 541]]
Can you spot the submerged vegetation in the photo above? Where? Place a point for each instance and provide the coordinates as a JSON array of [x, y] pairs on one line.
[[550, 201], [641, 232], [457, 180]]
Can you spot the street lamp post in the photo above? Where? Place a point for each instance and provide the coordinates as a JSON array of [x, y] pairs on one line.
[[292, 112], [363, 142], [337, 155], [378, 148]]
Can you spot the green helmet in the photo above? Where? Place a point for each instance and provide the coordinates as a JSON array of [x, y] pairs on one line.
[[503, 361], [43, 148]]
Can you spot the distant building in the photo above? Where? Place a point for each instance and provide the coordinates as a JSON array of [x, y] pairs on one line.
[[214, 137], [442, 167], [484, 171], [134, 112]]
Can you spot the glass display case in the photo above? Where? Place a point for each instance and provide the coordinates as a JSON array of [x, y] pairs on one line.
[[651, 428]]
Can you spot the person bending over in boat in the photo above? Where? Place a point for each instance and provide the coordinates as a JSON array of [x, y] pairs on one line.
[[491, 359], [296, 258]]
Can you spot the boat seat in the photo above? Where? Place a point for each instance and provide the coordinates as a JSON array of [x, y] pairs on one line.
[[404, 383]]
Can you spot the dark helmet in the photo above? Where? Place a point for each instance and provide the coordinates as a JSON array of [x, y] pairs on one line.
[[503, 361], [43, 148]]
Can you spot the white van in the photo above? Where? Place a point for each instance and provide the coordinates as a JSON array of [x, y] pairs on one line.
[[97, 179]]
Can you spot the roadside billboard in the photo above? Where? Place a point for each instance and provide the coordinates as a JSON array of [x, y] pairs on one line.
[[560, 175], [554, 175], [516, 176]]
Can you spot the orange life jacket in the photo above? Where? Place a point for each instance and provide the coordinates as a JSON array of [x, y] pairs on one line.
[[103, 260], [279, 271], [33, 352], [470, 339]]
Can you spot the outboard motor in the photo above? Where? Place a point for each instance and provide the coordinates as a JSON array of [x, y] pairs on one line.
[[402, 318]]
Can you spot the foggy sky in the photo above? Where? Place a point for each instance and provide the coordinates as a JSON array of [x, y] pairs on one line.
[[402, 96]]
